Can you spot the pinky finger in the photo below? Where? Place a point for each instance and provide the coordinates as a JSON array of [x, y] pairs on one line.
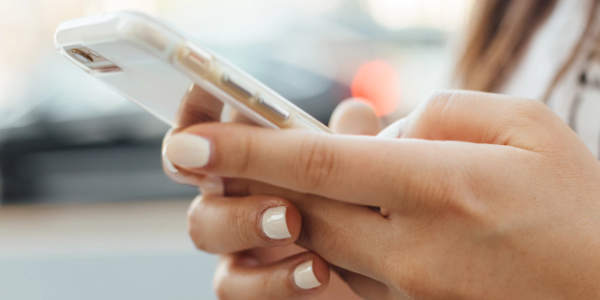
[[301, 276]]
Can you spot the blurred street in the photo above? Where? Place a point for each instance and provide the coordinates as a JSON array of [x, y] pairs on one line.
[[131, 250]]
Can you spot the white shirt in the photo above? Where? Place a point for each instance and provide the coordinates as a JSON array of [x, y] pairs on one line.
[[575, 100]]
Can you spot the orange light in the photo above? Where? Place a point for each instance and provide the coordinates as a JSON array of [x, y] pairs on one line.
[[376, 82]]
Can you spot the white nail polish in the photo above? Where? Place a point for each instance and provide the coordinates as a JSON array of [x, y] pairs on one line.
[[188, 150], [394, 130], [304, 276], [168, 164], [175, 174], [274, 223]]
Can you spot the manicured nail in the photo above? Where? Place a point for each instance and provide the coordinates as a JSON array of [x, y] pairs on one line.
[[304, 276], [274, 223], [395, 130], [168, 164], [188, 150], [174, 173]]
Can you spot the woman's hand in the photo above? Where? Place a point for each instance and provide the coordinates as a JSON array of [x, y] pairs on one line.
[[488, 197], [251, 257]]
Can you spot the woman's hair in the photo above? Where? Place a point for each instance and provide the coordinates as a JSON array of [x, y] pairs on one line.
[[496, 36]]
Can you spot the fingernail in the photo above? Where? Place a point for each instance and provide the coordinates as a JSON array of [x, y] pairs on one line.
[[188, 150], [395, 130], [274, 223], [304, 276], [211, 185], [168, 164], [175, 174]]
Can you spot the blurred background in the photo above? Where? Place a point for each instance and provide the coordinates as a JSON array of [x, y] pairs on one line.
[[85, 210]]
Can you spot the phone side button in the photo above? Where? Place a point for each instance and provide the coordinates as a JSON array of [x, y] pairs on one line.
[[276, 110], [233, 84]]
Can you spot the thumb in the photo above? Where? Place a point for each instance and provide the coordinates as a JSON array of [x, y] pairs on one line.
[[354, 116], [394, 130], [483, 118]]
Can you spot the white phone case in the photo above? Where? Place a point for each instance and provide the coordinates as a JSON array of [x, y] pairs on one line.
[[154, 66]]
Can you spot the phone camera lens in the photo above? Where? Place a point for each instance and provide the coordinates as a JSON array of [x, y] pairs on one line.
[[89, 60], [81, 56]]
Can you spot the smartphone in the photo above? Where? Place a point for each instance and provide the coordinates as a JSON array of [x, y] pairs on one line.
[[155, 66]]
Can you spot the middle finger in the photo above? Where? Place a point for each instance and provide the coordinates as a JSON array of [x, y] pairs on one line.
[[226, 225], [343, 234]]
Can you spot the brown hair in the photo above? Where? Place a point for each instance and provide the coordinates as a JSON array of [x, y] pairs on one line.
[[497, 33]]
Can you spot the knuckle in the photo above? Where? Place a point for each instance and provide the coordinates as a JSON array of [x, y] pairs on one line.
[[457, 193], [535, 127], [439, 98], [436, 110], [246, 149], [438, 195], [319, 235], [531, 110], [440, 102], [461, 195], [316, 162]]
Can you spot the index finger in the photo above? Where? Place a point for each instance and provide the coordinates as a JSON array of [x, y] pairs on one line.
[[363, 170], [198, 106]]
